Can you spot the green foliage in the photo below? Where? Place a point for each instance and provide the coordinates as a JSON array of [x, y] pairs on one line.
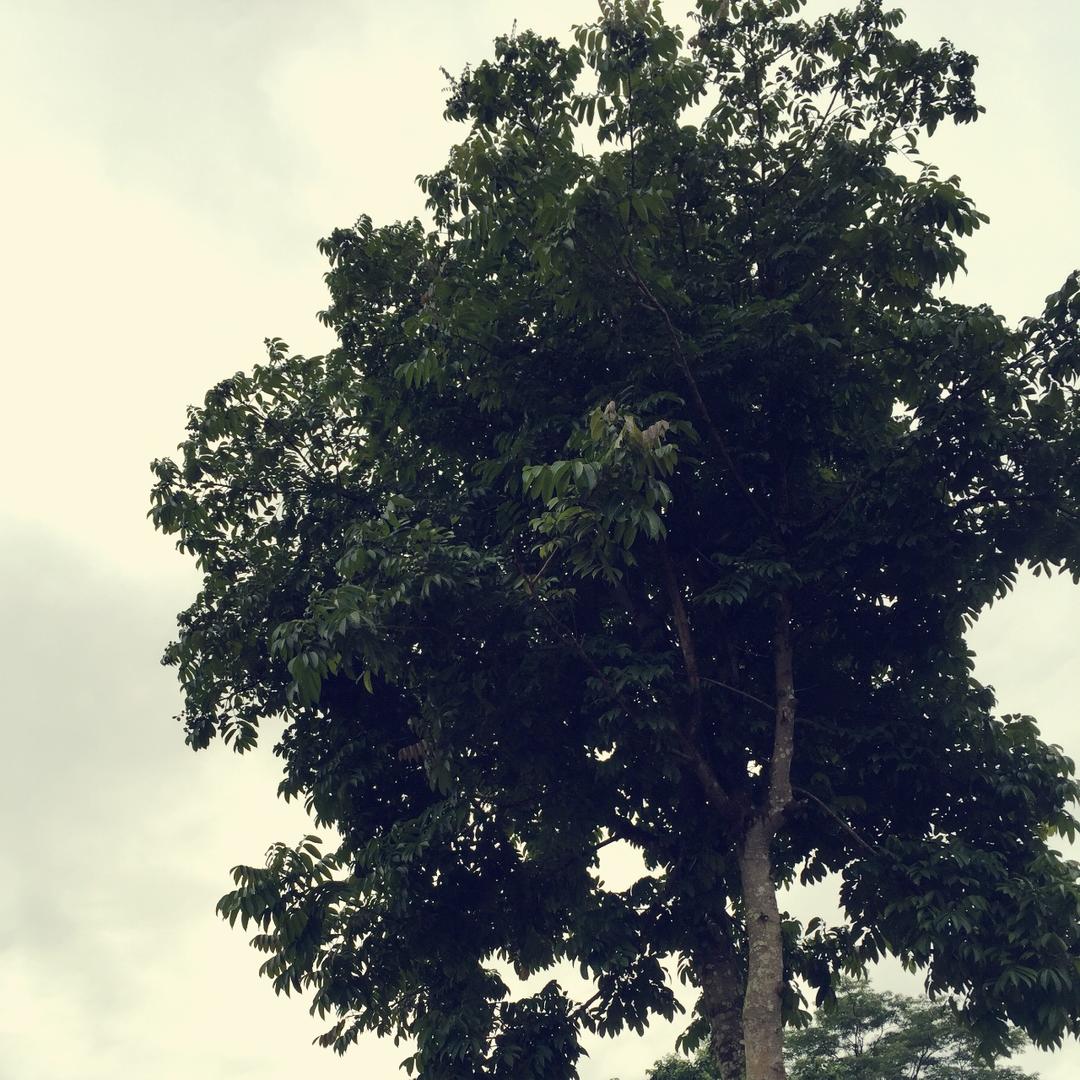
[[866, 1035], [505, 561], [870, 1035], [676, 1067]]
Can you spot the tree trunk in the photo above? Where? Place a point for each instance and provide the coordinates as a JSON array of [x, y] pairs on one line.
[[721, 1005], [761, 1013], [763, 1036]]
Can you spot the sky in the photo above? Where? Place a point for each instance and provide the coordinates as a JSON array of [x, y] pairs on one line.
[[167, 170]]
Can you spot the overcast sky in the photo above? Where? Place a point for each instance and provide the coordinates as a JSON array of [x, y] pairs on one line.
[[168, 168]]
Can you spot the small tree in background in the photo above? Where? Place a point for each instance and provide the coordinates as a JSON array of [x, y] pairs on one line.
[[870, 1035], [647, 498]]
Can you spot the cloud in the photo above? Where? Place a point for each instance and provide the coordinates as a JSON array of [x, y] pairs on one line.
[[116, 846]]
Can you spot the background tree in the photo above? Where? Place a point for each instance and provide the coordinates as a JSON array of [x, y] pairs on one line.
[[647, 497], [871, 1035]]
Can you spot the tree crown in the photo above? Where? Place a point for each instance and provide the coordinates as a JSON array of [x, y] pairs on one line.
[[508, 560]]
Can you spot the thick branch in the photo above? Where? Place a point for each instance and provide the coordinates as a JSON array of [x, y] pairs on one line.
[[716, 794], [779, 795], [686, 637]]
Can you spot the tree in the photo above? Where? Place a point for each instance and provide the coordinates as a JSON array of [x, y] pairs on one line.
[[870, 1035], [647, 497]]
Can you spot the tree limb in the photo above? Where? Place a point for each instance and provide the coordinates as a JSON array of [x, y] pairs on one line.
[[839, 821]]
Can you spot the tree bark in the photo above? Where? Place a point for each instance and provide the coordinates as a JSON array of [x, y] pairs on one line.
[[763, 1036], [761, 1012], [721, 1004]]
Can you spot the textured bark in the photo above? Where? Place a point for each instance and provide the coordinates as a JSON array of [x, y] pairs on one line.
[[721, 1005], [761, 1014], [779, 795], [763, 1036]]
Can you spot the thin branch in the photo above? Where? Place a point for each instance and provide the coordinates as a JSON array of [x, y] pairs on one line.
[[583, 1008], [539, 573], [840, 821], [742, 693]]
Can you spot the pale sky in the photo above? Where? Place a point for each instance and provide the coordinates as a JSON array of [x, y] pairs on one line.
[[168, 167]]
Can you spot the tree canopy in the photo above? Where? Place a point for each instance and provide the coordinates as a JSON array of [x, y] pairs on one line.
[[872, 1035], [647, 497]]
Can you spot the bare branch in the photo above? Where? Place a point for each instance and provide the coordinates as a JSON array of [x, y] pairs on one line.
[[742, 693], [839, 821]]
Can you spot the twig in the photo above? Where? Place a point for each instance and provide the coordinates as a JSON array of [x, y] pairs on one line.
[[840, 821], [742, 693]]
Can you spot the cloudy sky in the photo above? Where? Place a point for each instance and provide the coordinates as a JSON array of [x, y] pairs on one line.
[[169, 165]]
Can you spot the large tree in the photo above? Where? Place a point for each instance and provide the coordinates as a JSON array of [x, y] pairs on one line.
[[647, 497], [871, 1035]]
